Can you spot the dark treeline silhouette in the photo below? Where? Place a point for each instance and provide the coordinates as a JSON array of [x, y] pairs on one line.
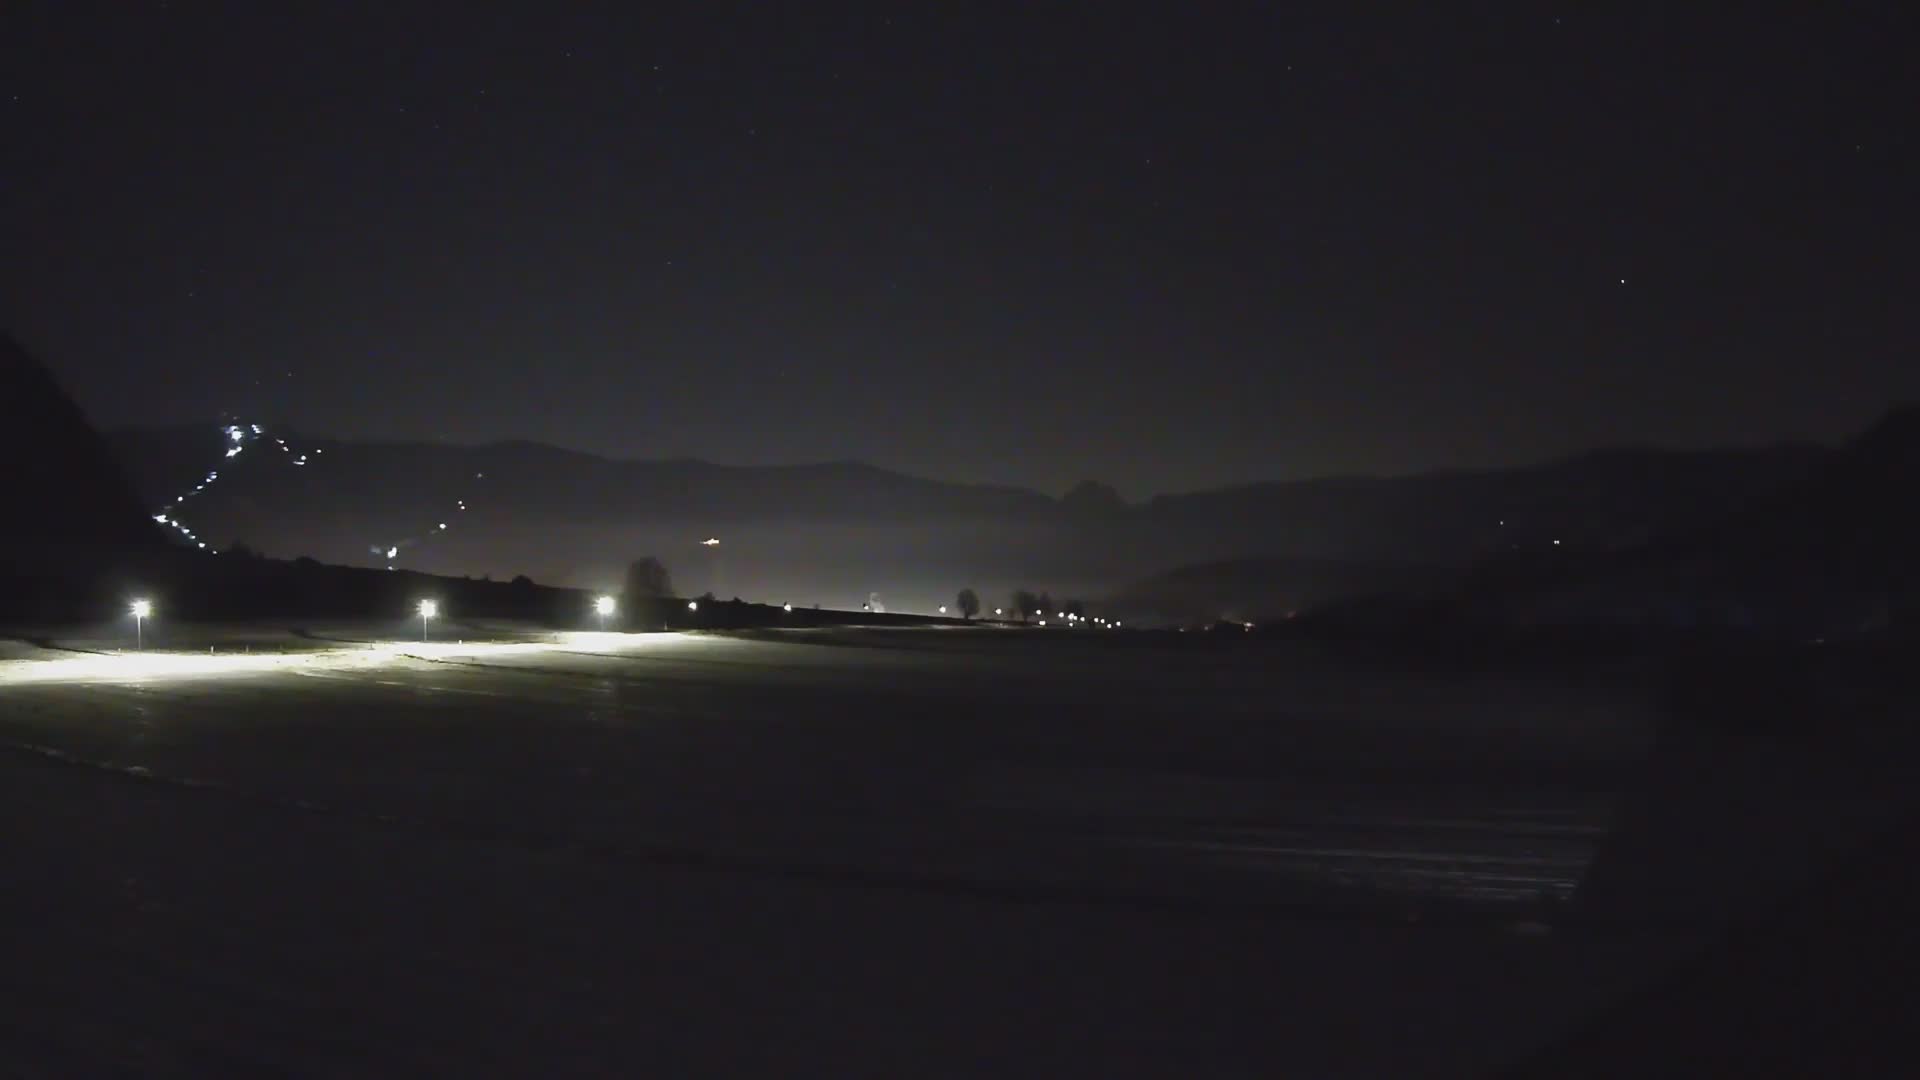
[[1027, 604]]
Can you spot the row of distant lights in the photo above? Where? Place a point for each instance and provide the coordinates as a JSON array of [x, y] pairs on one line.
[[1067, 617], [393, 550], [1077, 621], [603, 606], [238, 437]]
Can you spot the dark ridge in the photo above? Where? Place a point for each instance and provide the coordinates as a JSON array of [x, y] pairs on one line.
[[75, 526]]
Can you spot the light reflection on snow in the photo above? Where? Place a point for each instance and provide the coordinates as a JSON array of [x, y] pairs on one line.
[[134, 666]]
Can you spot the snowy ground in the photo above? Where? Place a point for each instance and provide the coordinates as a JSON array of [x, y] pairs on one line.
[[838, 852]]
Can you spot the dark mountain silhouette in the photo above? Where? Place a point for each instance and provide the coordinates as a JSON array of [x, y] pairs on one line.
[[534, 478], [1604, 498], [1846, 538], [836, 531], [79, 541], [1836, 552], [75, 525]]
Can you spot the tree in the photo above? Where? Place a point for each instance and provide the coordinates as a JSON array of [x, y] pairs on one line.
[[1025, 603], [1046, 606], [969, 603], [1076, 608], [647, 586], [647, 579]]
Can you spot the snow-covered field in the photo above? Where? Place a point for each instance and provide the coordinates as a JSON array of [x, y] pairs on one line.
[[847, 852]]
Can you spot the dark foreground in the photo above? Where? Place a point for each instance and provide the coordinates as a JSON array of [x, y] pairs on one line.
[[823, 853]]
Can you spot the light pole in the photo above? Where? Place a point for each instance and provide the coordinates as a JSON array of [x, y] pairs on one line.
[[140, 609], [603, 607], [428, 609]]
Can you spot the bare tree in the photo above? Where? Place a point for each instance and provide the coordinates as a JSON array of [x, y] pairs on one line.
[[1025, 603], [647, 579], [648, 587], [969, 603]]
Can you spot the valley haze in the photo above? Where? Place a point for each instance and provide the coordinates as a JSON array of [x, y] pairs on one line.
[[833, 533]]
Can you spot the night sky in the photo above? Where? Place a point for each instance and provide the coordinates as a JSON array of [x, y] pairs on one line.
[[1017, 244]]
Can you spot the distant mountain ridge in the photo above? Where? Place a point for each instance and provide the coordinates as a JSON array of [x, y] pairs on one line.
[[180, 453], [1834, 553], [553, 479], [838, 530]]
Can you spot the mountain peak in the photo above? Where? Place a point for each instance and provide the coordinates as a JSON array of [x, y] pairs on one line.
[[1093, 497]]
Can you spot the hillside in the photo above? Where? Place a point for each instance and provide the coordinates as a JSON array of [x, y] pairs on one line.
[[84, 542], [833, 532], [1833, 554], [1608, 498], [75, 525]]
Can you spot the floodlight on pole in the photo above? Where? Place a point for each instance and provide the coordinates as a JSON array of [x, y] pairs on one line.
[[140, 609], [428, 609], [603, 607], [693, 605]]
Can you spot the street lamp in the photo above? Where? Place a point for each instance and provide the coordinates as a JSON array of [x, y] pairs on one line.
[[943, 609], [603, 607], [140, 609], [428, 609], [693, 605]]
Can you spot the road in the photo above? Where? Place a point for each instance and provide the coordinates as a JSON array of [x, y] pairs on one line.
[[829, 852]]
